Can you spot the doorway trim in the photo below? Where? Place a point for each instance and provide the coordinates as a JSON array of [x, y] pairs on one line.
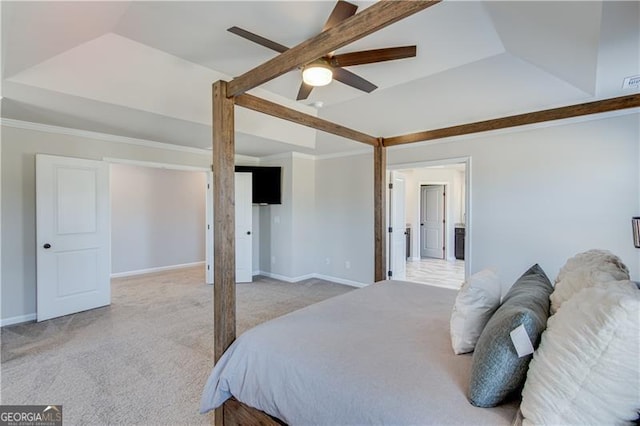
[[468, 254]]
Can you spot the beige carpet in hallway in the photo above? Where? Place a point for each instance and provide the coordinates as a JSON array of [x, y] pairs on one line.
[[145, 358]]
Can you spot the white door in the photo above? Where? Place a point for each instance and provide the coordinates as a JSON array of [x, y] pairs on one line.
[[209, 229], [398, 227], [73, 235], [432, 221], [244, 231]]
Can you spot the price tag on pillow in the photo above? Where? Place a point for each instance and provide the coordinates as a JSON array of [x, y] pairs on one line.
[[521, 341]]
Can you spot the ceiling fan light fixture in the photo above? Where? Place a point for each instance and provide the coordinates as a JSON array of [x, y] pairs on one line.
[[317, 74]]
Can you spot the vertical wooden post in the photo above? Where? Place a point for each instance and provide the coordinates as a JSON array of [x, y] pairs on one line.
[[380, 208], [224, 250]]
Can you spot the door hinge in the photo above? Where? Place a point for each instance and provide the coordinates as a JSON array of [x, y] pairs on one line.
[[390, 186], [208, 267], [390, 273], [390, 229], [208, 226], [208, 186]]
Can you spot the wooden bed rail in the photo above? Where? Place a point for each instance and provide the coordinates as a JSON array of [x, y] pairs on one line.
[[595, 107], [379, 211], [276, 110], [224, 244]]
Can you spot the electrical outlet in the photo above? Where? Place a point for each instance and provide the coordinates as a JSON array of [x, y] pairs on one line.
[[327, 261], [347, 264], [273, 260], [631, 82], [276, 219]]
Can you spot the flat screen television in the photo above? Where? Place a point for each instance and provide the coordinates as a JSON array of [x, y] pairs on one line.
[[266, 182]]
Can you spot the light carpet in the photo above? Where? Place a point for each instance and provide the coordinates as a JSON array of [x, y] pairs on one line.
[[145, 358]]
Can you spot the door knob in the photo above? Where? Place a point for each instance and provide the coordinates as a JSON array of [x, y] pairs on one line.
[[47, 246], [248, 232]]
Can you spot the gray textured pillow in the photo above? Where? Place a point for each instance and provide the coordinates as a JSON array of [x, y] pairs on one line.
[[497, 371]]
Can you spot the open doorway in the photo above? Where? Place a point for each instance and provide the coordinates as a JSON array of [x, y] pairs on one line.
[[436, 225], [159, 217]]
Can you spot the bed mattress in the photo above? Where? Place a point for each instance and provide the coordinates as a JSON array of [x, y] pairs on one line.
[[377, 355]]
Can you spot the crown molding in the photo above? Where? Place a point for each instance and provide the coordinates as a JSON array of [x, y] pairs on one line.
[[39, 127], [302, 156], [344, 154], [246, 160], [106, 137], [280, 156]]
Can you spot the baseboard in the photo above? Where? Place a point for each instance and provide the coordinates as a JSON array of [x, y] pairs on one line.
[[415, 259], [309, 276], [284, 277], [31, 317], [158, 269], [341, 281], [17, 320]]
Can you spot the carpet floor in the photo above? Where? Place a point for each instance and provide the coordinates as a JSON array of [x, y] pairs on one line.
[[145, 358]]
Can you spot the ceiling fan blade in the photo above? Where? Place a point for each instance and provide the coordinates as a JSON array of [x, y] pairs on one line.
[[341, 11], [304, 92], [258, 39], [350, 79], [372, 56]]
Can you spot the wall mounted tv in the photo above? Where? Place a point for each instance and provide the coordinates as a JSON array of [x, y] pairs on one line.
[[267, 183]]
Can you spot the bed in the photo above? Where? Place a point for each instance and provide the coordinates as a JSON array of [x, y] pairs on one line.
[[377, 355], [227, 95]]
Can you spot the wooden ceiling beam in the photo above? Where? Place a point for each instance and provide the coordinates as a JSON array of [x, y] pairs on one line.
[[596, 107], [275, 110], [373, 18]]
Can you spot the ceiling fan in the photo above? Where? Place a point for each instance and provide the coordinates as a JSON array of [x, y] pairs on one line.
[[321, 71]]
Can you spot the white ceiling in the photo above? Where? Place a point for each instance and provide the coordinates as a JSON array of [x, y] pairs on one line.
[[144, 69]]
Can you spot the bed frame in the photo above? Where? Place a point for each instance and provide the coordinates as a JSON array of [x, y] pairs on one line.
[[228, 94]]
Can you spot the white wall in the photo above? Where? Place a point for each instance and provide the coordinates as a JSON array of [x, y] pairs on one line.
[[157, 217], [19, 146], [287, 231], [276, 224], [344, 217], [304, 217], [538, 195]]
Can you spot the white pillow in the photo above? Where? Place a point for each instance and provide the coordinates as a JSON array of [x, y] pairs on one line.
[[586, 270], [585, 370], [477, 300]]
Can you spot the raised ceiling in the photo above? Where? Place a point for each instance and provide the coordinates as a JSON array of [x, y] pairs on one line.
[[144, 69]]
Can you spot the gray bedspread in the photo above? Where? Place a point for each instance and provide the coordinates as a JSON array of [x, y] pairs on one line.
[[377, 355]]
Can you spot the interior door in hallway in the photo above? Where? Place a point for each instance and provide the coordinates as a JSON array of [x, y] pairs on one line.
[[432, 222], [73, 255]]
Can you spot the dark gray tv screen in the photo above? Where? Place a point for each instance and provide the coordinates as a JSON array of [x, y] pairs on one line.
[[266, 182]]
